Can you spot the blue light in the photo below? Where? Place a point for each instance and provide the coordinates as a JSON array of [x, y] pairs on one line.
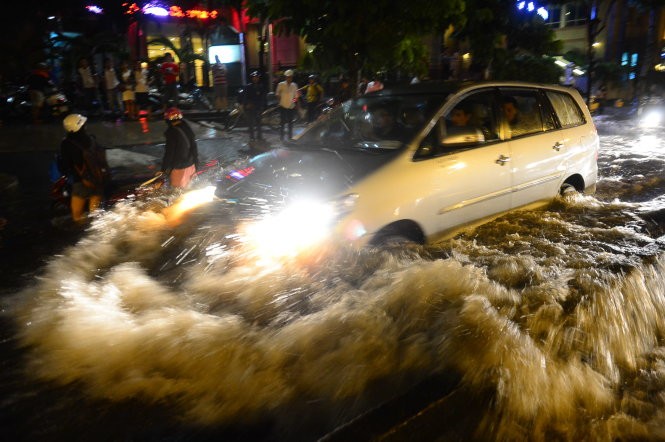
[[543, 13], [154, 9], [531, 6], [94, 9]]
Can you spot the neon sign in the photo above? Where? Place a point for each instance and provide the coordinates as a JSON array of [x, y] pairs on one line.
[[94, 9], [173, 11]]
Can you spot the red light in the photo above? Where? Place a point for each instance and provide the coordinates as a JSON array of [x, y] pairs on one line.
[[176, 11], [132, 8]]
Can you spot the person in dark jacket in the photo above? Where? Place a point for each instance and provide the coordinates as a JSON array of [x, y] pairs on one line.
[[344, 93], [181, 154], [84, 161], [254, 102]]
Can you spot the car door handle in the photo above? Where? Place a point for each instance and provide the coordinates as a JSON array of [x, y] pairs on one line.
[[557, 146], [502, 160]]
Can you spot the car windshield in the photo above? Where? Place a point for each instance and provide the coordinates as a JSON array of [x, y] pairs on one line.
[[385, 121]]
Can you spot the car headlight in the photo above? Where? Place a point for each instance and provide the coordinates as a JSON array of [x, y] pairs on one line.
[[288, 233], [300, 227], [651, 119]]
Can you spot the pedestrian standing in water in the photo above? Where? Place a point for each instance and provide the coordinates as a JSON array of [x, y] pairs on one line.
[[181, 155], [254, 102], [84, 161]]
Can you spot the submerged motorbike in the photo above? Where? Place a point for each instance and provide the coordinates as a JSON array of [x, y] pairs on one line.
[[137, 187]]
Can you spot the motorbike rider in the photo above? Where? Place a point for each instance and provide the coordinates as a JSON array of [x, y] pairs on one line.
[[181, 154], [84, 160]]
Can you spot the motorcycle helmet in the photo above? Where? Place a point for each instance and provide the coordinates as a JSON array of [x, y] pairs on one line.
[[74, 122], [288, 73], [255, 74], [173, 113]]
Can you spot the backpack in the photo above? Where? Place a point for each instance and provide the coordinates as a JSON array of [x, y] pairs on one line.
[[57, 168], [94, 159]]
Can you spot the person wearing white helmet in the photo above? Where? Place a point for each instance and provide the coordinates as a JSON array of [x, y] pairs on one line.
[[287, 94], [84, 161]]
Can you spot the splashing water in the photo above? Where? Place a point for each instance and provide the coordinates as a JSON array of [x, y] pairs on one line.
[[559, 313]]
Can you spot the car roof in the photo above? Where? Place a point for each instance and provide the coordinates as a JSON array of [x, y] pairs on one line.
[[447, 87]]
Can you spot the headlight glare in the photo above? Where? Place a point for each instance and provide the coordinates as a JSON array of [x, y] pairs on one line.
[[291, 231], [651, 119]]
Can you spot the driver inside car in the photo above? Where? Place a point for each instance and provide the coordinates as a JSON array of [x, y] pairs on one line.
[[460, 127], [385, 126]]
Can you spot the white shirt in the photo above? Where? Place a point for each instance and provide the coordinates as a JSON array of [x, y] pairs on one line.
[[110, 79], [141, 78], [374, 86], [86, 77], [287, 94]]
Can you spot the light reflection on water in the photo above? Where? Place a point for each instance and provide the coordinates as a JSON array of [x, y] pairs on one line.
[[559, 313]]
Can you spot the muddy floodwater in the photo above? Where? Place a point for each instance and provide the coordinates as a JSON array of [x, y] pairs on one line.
[[553, 320]]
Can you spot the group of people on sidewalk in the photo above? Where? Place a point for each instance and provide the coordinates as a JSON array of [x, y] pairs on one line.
[[124, 90]]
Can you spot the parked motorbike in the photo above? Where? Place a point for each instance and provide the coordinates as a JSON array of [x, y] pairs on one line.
[[194, 99], [56, 102], [18, 105]]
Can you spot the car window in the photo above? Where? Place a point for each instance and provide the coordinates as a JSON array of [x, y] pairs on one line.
[[376, 122], [567, 110], [521, 111], [471, 122]]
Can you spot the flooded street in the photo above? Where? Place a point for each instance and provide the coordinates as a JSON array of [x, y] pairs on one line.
[[157, 326]]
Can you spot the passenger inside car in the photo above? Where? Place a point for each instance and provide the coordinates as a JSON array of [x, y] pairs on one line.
[[461, 126], [511, 112], [519, 122]]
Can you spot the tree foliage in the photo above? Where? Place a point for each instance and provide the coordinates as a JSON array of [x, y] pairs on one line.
[[363, 34], [506, 39]]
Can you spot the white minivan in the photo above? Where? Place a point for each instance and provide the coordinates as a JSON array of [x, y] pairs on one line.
[[417, 163]]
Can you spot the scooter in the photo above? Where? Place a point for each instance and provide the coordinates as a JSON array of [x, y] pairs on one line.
[[17, 103], [194, 99], [56, 102]]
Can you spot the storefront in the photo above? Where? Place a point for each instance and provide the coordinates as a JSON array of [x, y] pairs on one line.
[[195, 36]]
